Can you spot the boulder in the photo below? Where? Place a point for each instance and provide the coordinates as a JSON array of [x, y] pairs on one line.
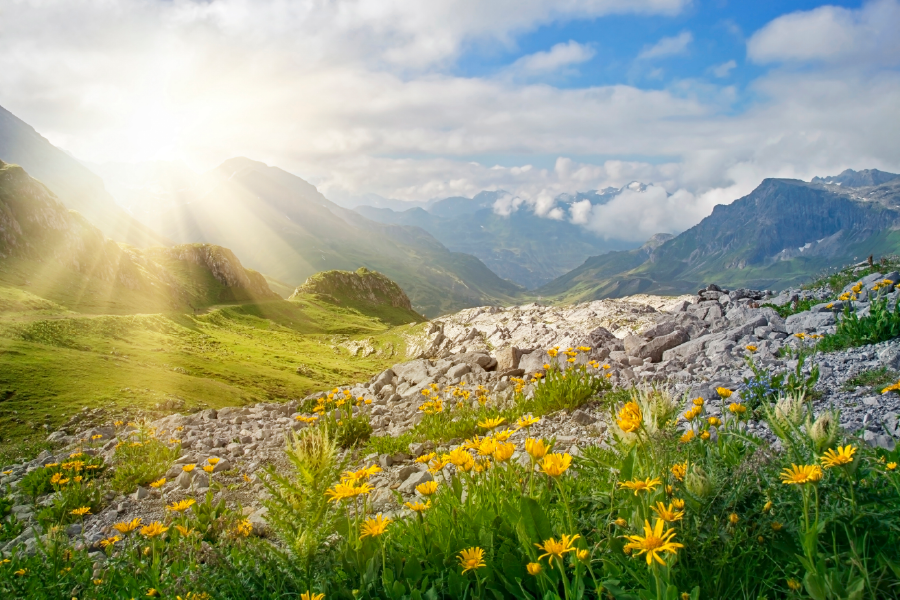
[[655, 348], [633, 343]]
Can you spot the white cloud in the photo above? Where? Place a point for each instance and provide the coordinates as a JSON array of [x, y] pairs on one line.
[[724, 69], [354, 96], [668, 46], [558, 57], [832, 34]]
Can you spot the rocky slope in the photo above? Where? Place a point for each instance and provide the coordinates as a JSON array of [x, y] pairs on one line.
[[691, 344]]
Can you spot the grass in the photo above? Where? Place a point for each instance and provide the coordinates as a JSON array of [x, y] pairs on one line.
[[818, 518], [838, 280], [53, 365], [875, 378]]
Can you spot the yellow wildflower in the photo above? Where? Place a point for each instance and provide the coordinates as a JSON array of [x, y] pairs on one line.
[[308, 596], [688, 436], [374, 527], [418, 506], [503, 452], [640, 485], [667, 513], [737, 408], [428, 488], [526, 421], [110, 541], [80, 512], [733, 518], [802, 474], [153, 529], [536, 448], [843, 456], [553, 548], [491, 423], [678, 503], [188, 468], [630, 417], [654, 542], [181, 506], [724, 392], [679, 470], [533, 568], [127, 526], [426, 457], [555, 465], [471, 559]]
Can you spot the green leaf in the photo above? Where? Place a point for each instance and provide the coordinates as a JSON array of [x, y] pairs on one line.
[[412, 571]]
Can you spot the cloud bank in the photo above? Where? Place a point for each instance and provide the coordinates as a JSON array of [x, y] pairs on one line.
[[362, 96]]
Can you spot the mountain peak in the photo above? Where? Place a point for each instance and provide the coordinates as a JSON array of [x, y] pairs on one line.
[[851, 178]]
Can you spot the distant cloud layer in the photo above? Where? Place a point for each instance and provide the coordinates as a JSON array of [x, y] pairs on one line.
[[361, 96]]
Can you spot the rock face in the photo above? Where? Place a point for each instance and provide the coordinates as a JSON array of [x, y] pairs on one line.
[[363, 286], [222, 264]]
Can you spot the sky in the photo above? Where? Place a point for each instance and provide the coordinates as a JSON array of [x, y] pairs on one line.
[[417, 100]]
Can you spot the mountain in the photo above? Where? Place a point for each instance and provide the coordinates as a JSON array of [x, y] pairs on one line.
[[282, 225], [49, 252], [522, 247], [779, 235], [73, 183]]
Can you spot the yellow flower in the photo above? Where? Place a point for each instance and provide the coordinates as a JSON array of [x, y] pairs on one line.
[[459, 456], [418, 506], [751, 348], [127, 526], [704, 435], [690, 415], [471, 559], [158, 483], [184, 530], [768, 506], [188, 468], [843, 456], [679, 470], [630, 417], [533, 568], [244, 528], [426, 457], [714, 421], [536, 448], [527, 421], [20, 572], [110, 541], [733, 518], [698, 401], [678, 503], [308, 596], [153, 593], [667, 513], [374, 527], [487, 446], [891, 466], [502, 436], [153, 529], [213, 460], [736, 408], [555, 465], [428, 488], [620, 522], [688, 436], [181, 506], [504, 452], [794, 585], [344, 490], [80, 512], [776, 526], [582, 555], [555, 548], [639, 485], [724, 392], [654, 541], [438, 463], [492, 423], [802, 474]]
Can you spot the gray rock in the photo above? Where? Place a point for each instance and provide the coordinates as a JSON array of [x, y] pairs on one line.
[[141, 493], [655, 348], [414, 479], [583, 418]]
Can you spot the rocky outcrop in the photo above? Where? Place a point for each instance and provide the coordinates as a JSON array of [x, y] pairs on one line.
[[222, 264], [362, 287]]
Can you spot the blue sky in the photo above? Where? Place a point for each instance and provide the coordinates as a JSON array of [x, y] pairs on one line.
[[416, 100]]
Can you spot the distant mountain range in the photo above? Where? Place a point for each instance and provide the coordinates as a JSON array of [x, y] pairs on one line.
[[446, 254], [779, 235], [523, 247]]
